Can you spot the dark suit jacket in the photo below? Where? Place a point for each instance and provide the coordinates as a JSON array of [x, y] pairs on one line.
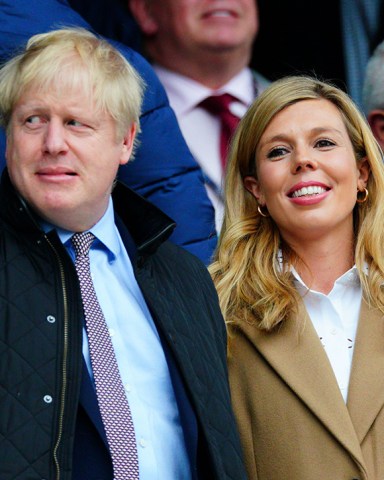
[[49, 421]]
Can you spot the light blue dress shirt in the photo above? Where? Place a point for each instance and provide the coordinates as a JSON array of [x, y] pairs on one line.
[[139, 353]]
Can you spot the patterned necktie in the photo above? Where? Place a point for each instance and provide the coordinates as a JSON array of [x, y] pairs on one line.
[[113, 404], [218, 105]]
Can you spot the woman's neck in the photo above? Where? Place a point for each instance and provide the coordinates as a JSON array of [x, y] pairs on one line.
[[322, 262]]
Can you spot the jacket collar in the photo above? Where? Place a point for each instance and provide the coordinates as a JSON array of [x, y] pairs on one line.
[[147, 224], [294, 352], [366, 384]]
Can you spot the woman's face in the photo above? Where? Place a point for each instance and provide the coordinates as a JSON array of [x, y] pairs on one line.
[[307, 172]]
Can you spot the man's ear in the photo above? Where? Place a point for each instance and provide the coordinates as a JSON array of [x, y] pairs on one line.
[[253, 187], [143, 16], [127, 144], [376, 121]]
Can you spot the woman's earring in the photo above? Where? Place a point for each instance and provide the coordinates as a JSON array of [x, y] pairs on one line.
[[265, 215], [362, 195]]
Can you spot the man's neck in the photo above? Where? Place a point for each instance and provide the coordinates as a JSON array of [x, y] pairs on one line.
[[212, 70]]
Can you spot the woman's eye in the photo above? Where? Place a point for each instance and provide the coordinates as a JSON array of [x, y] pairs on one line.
[[277, 152], [324, 142]]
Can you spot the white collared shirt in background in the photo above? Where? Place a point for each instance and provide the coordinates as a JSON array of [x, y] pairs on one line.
[[200, 129]]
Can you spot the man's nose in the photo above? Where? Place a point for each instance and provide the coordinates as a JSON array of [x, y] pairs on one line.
[[55, 138]]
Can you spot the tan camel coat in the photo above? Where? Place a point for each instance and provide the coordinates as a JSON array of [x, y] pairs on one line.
[[293, 421]]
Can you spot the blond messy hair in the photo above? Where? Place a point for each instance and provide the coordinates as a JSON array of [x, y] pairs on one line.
[[75, 59], [251, 286]]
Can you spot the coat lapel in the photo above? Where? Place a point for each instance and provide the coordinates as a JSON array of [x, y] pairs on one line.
[[297, 356], [366, 386]]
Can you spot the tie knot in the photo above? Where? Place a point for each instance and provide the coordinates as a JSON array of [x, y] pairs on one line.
[[218, 104], [82, 243]]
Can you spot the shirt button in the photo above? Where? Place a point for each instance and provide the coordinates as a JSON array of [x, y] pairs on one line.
[[334, 331], [111, 332], [127, 387], [143, 443]]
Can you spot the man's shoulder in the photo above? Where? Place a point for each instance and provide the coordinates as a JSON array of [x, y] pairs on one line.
[[261, 81], [179, 257], [182, 267]]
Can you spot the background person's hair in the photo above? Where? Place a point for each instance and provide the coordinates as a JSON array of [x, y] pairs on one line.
[[373, 87], [74, 58], [251, 284]]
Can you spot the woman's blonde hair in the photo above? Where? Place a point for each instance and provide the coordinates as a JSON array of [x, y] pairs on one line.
[[251, 284], [77, 59]]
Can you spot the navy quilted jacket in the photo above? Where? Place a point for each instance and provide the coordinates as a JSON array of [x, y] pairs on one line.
[[41, 341], [163, 170]]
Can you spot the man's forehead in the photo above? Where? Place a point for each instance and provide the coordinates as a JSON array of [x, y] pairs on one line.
[[75, 104], [44, 91]]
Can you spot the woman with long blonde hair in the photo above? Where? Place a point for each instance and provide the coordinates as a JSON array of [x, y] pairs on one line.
[[299, 271]]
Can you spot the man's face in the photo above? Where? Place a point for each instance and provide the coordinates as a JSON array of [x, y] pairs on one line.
[[63, 156], [205, 24]]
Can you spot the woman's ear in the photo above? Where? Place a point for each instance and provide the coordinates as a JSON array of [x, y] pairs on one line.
[[252, 185], [364, 170]]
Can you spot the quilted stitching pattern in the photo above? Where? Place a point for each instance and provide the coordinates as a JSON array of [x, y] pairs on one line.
[[28, 360]]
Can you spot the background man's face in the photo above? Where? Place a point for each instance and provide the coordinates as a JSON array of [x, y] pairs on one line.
[[206, 24]]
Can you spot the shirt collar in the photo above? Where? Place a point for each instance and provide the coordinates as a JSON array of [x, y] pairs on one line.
[[185, 93], [349, 278], [104, 230]]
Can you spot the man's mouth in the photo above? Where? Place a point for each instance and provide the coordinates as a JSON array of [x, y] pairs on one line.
[[220, 13]]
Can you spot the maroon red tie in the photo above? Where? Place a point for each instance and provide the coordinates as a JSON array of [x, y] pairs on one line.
[[219, 105]]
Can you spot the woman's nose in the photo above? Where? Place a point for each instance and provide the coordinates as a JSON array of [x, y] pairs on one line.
[[303, 160]]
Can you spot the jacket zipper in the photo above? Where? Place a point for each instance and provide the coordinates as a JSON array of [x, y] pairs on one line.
[[65, 360]]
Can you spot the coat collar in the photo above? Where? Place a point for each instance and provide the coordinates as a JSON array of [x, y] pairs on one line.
[[294, 352], [148, 225], [366, 385]]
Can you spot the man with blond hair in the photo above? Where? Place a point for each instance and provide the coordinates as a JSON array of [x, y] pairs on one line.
[[112, 342], [164, 170]]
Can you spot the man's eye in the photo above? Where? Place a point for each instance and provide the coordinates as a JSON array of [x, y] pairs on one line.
[[33, 119], [277, 152], [74, 123]]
